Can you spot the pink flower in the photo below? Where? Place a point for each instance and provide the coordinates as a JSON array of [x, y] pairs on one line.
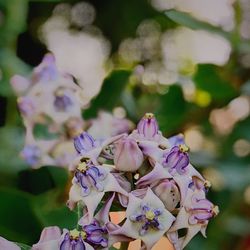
[[128, 156]]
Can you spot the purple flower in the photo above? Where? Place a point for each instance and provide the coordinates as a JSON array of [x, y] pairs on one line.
[[31, 154], [90, 184], [176, 140], [84, 143], [96, 235], [26, 106], [201, 210], [88, 175], [73, 240], [194, 216], [148, 218], [62, 101], [46, 70], [177, 159], [52, 239], [148, 126]]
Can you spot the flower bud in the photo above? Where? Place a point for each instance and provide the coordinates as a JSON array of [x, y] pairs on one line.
[[19, 84], [128, 156], [84, 142], [169, 194], [148, 126], [26, 106]]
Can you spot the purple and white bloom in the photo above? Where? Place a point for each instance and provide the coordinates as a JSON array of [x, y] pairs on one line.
[[8, 245], [148, 130], [110, 125], [128, 156], [52, 239], [146, 219], [90, 183], [88, 147], [37, 152], [194, 216], [148, 126], [48, 93], [125, 184], [20, 84], [99, 230], [160, 172], [177, 159], [176, 140], [27, 106]]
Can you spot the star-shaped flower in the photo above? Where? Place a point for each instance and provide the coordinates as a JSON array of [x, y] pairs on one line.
[[52, 239], [88, 147], [194, 216], [90, 183], [146, 219]]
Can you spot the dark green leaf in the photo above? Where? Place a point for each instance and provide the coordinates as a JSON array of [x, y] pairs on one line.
[[208, 79], [18, 221], [171, 110], [51, 210]]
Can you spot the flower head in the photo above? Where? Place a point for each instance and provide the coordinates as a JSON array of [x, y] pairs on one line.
[[146, 219], [176, 159]]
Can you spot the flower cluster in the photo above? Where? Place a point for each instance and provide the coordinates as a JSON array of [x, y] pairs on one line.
[[51, 99], [148, 176], [144, 174]]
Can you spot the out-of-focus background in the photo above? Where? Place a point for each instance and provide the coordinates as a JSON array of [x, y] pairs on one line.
[[187, 61]]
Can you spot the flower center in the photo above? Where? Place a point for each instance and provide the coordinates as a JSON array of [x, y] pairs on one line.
[[183, 148], [75, 234], [149, 115], [150, 215], [82, 167], [215, 210], [62, 101]]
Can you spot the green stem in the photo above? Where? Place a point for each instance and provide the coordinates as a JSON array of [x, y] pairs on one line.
[[79, 214]]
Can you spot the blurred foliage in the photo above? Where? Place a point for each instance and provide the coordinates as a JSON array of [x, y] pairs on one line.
[[32, 199]]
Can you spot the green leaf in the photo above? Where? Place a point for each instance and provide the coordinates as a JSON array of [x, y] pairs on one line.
[[171, 110], [110, 93], [187, 20], [208, 79], [18, 221], [37, 181], [51, 210]]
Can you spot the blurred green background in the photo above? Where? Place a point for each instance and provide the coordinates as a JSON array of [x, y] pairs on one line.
[[186, 61]]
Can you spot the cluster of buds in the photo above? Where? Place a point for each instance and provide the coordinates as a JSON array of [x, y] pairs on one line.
[[143, 174], [52, 99]]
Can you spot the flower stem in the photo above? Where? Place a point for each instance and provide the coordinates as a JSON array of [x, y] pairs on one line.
[[79, 214]]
